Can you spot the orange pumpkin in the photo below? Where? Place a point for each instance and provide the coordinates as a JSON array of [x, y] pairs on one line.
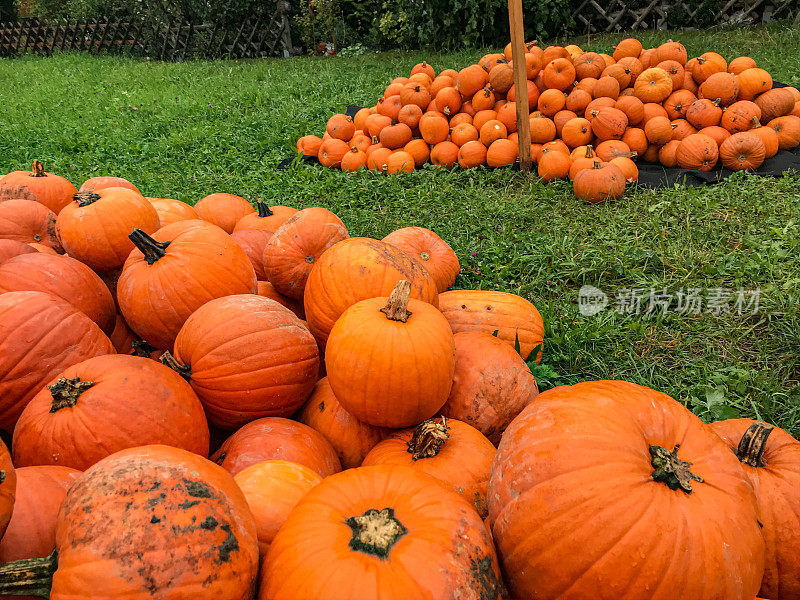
[[472, 154], [667, 155], [653, 85], [698, 152], [501, 78], [267, 218], [578, 100], [340, 127], [501, 152], [172, 211], [708, 64], [463, 133], [542, 129], [511, 96], [493, 130], [611, 149], [577, 132], [743, 151], [671, 51], [558, 74], [609, 123], [445, 154], [606, 87], [471, 79], [632, 107], [775, 103], [627, 166], [716, 133], [658, 130], [788, 130], [53, 191], [681, 128], [433, 252], [678, 103], [704, 113], [739, 116], [331, 153], [752, 82], [600, 183], [627, 47], [722, 87], [553, 165], [253, 242], [551, 101], [415, 93], [29, 222], [226, 210], [354, 160], [8, 490], [636, 140], [768, 136], [433, 128]]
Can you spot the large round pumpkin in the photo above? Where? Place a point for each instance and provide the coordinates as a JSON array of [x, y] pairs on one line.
[[602, 481], [697, 151], [29, 222], [106, 404], [175, 272], [491, 384], [356, 269], [453, 452], [172, 211], [266, 217], [40, 336], [272, 489], [247, 357], [382, 532], [102, 182], [771, 461], [95, 226], [31, 533], [352, 439], [223, 210], [53, 191], [8, 488], [291, 252], [390, 361], [515, 320], [276, 438], [433, 252], [65, 278]]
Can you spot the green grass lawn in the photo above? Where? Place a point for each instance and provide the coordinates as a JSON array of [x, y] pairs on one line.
[[186, 130]]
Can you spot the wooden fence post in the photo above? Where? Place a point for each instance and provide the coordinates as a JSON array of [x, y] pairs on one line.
[[520, 83]]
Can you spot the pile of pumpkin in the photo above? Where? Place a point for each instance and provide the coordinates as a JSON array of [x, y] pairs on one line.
[[217, 401], [590, 112]]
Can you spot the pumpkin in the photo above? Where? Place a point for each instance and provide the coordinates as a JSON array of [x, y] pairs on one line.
[[609, 123], [678, 103], [737, 65], [640, 463], [551, 101], [788, 130], [433, 252], [448, 100], [491, 384], [651, 154], [553, 164], [653, 85], [410, 115], [542, 129], [681, 128], [561, 118], [652, 110], [493, 130], [382, 532], [11, 248], [611, 149], [8, 489], [768, 136], [253, 242], [507, 115], [415, 93], [105, 404], [170, 275], [658, 130], [172, 211], [716, 133], [577, 132], [331, 153], [40, 336], [706, 66], [272, 489], [400, 161], [632, 107], [94, 227], [433, 128], [775, 103], [770, 459], [53, 191], [670, 50], [667, 155], [246, 357], [266, 289], [226, 210], [739, 116], [471, 79], [558, 74], [589, 64], [648, 57], [627, 166], [405, 355], [602, 182], [501, 77], [675, 71], [352, 439], [308, 145], [704, 113], [635, 139], [423, 67], [453, 452], [375, 123], [698, 152], [439, 83], [31, 532], [445, 154], [722, 87], [389, 106], [587, 85], [419, 151], [29, 222], [627, 47], [633, 66], [553, 52], [292, 251], [511, 96], [265, 217], [463, 133], [584, 160], [340, 127], [511, 316], [276, 438], [354, 160], [742, 151], [63, 277], [395, 136], [483, 99], [377, 159], [578, 100], [752, 82]]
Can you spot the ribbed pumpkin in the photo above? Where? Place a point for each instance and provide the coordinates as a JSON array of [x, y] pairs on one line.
[[40, 336], [223, 210], [253, 242], [609, 123], [28, 221], [65, 278], [276, 438], [352, 439], [265, 217], [704, 113], [553, 165], [775, 103], [739, 116], [752, 82], [294, 248], [382, 532], [653, 85], [94, 227], [453, 452], [53, 191], [267, 290], [433, 252], [653, 476], [8, 488], [246, 357], [356, 269], [770, 458], [723, 87], [491, 384], [169, 276], [105, 404], [172, 211], [502, 152], [154, 509], [102, 182], [742, 151], [600, 183], [31, 533], [768, 136], [788, 130], [390, 360], [308, 145], [698, 152], [272, 489]]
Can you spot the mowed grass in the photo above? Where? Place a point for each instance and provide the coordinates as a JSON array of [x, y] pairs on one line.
[[186, 130]]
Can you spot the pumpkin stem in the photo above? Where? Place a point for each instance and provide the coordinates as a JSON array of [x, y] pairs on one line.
[[375, 532], [751, 446], [28, 577], [428, 439], [263, 209], [589, 151], [755, 122], [85, 198], [396, 308], [38, 169], [142, 348], [671, 470], [184, 371], [151, 249], [66, 392]]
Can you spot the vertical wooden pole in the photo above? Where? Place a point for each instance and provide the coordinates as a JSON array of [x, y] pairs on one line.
[[520, 83]]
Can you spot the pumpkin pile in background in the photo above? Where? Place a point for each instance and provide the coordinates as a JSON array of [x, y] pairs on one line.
[[593, 112], [228, 401]]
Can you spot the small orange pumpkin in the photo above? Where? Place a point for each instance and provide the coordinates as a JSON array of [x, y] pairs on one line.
[[743, 151], [698, 152], [603, 182], [653, 85]]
